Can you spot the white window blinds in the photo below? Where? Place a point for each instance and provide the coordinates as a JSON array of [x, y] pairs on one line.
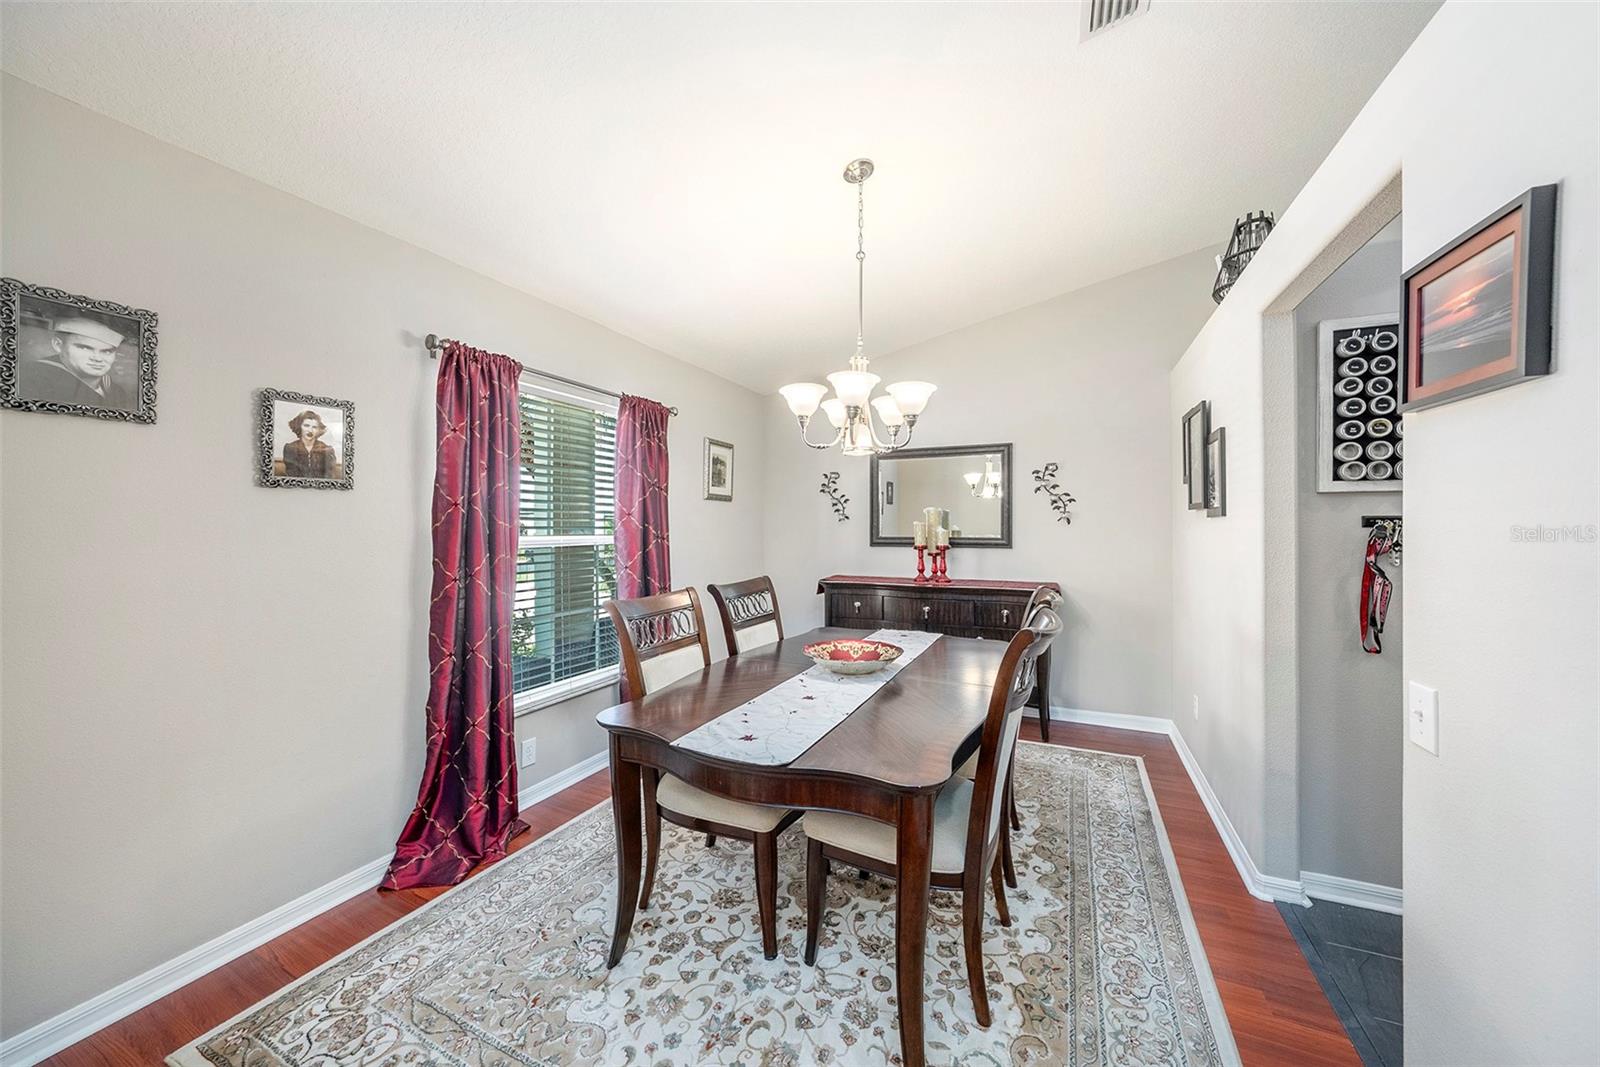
[[566, 564]]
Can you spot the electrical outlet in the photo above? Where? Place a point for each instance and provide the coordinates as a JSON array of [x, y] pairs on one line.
[[1422, 717], [530, 751], [1197, 705]]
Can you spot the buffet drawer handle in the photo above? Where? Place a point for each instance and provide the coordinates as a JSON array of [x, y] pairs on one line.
[[925, 609], [858, 607], [1005, 614]]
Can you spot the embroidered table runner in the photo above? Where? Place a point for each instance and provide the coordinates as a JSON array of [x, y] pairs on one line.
[[780, 724]]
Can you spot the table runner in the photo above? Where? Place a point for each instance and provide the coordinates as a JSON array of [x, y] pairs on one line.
[[776, 727]]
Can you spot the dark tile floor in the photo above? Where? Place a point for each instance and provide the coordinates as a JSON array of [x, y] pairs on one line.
[[1355, 954]]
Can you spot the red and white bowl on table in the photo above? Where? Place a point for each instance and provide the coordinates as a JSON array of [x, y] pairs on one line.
[[854, 655]]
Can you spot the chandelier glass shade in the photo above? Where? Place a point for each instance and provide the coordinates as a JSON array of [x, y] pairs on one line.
[[850, 408]]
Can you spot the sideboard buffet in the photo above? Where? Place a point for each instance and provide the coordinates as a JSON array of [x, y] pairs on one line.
[[963, 607]]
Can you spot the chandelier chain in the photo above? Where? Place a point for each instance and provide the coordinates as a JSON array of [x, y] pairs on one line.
[[861, 263]]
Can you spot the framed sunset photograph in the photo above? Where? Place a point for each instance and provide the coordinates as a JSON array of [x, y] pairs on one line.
[[1477, 313]]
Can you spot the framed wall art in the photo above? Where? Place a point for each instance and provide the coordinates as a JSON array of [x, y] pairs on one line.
[[75, 355], [719, 470], [1216, 474], [1359, 446], [305, 441], [1476, 315], [1196, 431]]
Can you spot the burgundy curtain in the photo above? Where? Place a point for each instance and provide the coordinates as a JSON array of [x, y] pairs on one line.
[[644, 558], [467, 804]]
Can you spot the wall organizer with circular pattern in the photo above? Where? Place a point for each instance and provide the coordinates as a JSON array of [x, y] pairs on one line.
[[1360, 444]]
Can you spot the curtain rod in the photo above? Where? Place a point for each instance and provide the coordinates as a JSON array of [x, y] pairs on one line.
[[435, 343]]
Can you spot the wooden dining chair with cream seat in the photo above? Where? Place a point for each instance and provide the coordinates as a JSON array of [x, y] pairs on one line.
[[1048, 598], [968, 818], [749, 611], [663, 639]]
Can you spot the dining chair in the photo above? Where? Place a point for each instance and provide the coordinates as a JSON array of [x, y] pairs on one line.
[[749, 611], [968, 817], [1043, 597], [663, 638]]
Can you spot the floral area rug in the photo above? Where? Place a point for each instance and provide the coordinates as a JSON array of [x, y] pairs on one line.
[[1101, 966]]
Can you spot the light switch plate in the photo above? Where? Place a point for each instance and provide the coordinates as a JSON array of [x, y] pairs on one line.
[[1422, 717], [530, 752]]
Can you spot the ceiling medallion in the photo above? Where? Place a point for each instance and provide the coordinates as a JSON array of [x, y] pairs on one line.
[[848, 409]]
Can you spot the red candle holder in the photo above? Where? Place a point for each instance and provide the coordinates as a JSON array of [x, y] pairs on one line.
[[941, 573], [922, 576]]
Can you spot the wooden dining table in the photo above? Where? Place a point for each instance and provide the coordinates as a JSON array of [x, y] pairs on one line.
[[887, 761]]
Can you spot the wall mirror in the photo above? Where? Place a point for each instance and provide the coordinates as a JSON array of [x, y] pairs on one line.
[[970, 482]]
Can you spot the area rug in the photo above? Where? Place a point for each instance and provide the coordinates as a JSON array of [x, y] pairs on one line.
[[1101, 966]]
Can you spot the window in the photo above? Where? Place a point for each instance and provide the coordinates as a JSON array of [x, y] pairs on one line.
[[561, 642]]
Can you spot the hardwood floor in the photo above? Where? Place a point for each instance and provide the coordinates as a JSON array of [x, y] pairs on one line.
[[1277, 1010]]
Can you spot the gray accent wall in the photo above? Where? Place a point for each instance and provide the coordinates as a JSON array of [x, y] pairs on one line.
[[1352, 716], [213, 693]]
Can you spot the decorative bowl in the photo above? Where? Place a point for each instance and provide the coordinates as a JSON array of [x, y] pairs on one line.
[[854, 655]]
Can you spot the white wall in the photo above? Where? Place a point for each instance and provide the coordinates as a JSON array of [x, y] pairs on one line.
[[1352, 714], [184, 749], [1077, 380], [1500, 866]]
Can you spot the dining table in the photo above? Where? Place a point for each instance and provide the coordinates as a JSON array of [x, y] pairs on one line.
[[886, 760]]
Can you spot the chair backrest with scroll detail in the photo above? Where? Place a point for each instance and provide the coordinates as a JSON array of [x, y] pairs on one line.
[[749, 611], [1013, 684], [662, 637]]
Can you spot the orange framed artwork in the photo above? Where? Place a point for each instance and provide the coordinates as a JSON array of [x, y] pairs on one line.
[[1477, 313]]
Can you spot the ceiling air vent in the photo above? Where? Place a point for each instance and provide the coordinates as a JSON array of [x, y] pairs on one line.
[[1102, 15]]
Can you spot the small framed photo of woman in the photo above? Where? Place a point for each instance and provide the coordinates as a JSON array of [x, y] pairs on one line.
[[304, 441]]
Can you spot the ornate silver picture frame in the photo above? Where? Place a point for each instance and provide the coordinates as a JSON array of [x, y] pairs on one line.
[[304, 441], [75, 355]]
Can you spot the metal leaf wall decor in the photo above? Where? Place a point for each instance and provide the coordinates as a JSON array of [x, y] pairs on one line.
[[1060, 499], [836, 499]]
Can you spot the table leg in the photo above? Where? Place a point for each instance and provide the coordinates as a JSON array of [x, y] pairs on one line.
[[625, 812], [914, 858], [1041, 670]]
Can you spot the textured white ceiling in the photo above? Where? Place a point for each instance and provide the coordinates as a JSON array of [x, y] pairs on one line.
[[673, 170]]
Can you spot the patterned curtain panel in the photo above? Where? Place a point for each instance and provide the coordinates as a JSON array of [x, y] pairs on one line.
[[467, 804], [644, 558]]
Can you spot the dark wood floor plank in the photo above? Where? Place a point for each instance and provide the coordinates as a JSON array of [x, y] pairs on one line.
[[1277, 1011]]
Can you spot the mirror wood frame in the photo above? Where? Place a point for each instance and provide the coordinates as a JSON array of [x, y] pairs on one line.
[[879, 539]]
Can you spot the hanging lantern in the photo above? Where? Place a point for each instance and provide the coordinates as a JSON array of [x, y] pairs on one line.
[[1248, 233]]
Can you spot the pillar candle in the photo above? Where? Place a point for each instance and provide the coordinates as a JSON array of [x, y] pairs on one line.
[[919, 536]]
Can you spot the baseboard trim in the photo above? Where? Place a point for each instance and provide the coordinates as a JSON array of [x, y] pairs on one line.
[[1259, 885], [1370, 895], [75, 1024], [549, 787]]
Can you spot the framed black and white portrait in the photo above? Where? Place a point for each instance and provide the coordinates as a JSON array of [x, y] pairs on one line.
[[719, 470], [75, 355], [304, 441]]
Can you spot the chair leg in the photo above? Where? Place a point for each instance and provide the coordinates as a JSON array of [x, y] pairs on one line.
[[711, 841], [767, 892], [816, 895], [1006, 863], [999, 893], [1011, 797], [652, 837], [972, 940]]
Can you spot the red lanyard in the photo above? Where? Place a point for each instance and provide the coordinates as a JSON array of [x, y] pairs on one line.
[[1376, 589]]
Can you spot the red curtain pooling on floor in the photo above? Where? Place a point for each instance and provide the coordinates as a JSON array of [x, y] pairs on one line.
[[644, 557], [467, 803]]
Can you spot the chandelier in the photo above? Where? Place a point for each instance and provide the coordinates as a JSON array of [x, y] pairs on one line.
[[985, 484], [848, 409]]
